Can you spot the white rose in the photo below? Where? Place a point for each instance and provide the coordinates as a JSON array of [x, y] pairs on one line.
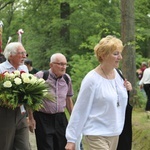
[[33, 79], [7, 84], [41, 80], [24, 75], [26, 79], [11, 75], [17, 73], [17, 81], [6, 74]]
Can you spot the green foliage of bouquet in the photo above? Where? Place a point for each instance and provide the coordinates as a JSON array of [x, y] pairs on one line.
[[19, 88]]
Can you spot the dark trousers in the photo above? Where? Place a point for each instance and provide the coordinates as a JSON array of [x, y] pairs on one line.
[[147, 91], [14, 131], [50, 131]]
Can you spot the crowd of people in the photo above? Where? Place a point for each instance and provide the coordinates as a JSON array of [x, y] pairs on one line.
[[103, 95]]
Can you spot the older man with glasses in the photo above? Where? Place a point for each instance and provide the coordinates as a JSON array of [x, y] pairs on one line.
[[51, 121], [14, 133]]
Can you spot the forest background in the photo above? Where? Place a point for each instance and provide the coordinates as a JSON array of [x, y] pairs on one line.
[[73, 28]]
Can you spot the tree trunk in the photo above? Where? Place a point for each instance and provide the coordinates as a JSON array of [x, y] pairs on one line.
[[127, 36], [1, 29], [65, 12]]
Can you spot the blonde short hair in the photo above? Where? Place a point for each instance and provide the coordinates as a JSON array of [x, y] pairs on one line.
[[106, 46]]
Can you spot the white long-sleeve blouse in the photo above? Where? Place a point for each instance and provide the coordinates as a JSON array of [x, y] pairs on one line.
[[146, 77], [95, 111]]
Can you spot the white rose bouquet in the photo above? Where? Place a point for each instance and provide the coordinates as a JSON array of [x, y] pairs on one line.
[[19, 88]]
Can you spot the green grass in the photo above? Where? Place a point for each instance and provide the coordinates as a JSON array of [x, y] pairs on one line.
[[140, 126], [141, 130]]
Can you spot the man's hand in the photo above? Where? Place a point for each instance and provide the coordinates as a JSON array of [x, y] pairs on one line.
[[31, 121], [32, 124]]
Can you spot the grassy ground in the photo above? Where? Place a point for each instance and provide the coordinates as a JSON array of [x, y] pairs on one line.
[[141, 130]]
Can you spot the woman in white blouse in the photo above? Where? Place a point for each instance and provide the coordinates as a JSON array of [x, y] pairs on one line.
[[99, 111]]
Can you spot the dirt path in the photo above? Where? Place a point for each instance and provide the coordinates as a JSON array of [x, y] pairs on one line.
[[32, 141]]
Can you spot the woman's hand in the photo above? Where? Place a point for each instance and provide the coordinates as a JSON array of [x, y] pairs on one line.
[[70, 146], [128, 85]]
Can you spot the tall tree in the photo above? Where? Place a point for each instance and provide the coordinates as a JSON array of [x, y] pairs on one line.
[[142, 20], [65, 12], [1, 29], [128, 38]]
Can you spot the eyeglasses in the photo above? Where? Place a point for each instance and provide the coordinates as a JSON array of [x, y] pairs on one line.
[[61, 64], [22, 53]]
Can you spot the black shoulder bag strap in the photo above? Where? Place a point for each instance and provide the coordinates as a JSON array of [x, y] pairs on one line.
[[125, 138], [66, 78], [46, 74]]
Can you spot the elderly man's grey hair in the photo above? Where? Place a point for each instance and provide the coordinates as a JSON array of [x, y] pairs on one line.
[[54, 57], [11, 49]]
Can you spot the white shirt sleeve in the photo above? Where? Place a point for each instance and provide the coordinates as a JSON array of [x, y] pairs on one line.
[[81, 110]]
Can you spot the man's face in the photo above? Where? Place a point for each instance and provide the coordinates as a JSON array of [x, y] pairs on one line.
[[59, 66], [19, 57]]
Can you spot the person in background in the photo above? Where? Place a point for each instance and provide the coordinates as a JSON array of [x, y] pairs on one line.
[[99, 111], [2, 58], [14, 132], [139, 73], [51, 120], [145, 83], [141, 70], [31, 69]]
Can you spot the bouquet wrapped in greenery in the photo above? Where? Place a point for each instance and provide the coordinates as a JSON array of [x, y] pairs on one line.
[[19, 88]]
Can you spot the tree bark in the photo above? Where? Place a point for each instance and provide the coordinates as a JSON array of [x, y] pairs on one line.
[[128, 38], [65, 12]]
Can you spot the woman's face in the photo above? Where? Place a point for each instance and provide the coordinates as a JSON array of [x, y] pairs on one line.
[[113, 58]]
